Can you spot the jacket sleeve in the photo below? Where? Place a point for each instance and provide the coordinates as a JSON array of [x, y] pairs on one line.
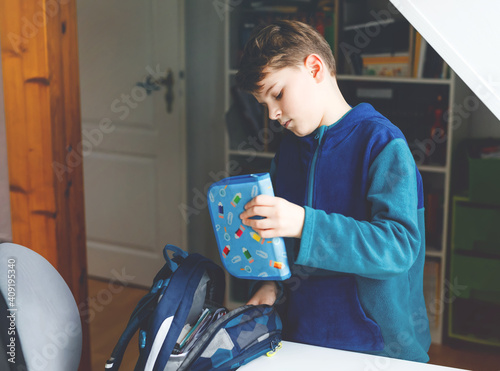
[[389, 242]]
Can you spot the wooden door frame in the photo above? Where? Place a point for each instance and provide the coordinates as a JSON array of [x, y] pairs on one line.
[[39, 51]]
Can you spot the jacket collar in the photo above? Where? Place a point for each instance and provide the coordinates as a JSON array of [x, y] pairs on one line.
[[339, 130]]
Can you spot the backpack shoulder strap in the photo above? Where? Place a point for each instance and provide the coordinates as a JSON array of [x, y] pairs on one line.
[[171, 313], [141, 312], [146, 305]]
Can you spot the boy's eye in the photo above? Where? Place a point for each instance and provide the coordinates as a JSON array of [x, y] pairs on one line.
[[278, 97]]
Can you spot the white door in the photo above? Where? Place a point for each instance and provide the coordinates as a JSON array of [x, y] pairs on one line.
[[133, 149]]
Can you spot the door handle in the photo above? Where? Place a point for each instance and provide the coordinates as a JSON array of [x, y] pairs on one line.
[[168, 81], [151, 84]]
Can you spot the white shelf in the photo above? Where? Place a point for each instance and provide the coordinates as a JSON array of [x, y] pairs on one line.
[[411, 80], [432, 169], [436, 332], [235, 152], [383, 22], [434, 253]]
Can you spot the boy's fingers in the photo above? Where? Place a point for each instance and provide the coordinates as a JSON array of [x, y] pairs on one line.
[[260, 200], [268, 233], [246, 214], [258, 224], [263, 211]]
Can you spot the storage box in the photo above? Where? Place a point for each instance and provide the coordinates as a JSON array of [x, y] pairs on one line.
[[473, 291], [475, 321], [484, 173], [475, 278], [476, 228]]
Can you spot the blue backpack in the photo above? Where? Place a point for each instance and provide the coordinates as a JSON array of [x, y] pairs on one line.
[[183, 325]]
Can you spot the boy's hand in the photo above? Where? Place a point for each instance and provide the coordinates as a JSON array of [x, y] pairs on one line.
[[265, 295], [282, 218]]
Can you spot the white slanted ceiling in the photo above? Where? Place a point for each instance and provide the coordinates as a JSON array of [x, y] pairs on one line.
[[467, 35]]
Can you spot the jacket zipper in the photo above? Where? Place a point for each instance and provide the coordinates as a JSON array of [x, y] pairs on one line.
[[319, 137]]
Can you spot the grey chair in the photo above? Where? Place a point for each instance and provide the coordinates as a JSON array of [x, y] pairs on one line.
[[40, 323]]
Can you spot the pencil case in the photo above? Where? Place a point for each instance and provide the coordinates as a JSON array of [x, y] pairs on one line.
[[243, 252]]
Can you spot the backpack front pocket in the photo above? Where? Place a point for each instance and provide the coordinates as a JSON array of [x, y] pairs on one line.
[[236, 337]]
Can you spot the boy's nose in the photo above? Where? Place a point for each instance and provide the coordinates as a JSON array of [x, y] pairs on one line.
[[274, 113]]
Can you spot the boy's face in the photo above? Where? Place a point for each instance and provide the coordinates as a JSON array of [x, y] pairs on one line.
[[293, 97]]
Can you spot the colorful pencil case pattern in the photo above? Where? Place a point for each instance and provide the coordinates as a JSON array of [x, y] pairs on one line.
[[243, 252]]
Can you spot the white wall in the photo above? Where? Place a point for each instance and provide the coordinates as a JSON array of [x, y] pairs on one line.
[[205, 116], [5, 226], [483, 123], [466, 36]]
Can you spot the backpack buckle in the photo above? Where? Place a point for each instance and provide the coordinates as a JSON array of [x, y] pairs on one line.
[[275, 345]]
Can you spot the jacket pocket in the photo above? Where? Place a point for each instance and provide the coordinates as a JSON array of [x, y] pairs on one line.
[[326, 311]]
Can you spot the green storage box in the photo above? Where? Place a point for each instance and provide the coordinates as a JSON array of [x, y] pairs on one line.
[[474, 321], [484, 174], [476, 228], [475, 278]]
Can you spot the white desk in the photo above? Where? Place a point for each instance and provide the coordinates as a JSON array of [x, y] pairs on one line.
[[294, 356]]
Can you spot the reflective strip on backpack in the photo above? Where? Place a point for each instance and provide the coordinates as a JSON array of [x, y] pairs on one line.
[[158, 343], [110, 363]]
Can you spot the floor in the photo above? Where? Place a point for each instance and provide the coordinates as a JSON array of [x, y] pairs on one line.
[[110, 307]]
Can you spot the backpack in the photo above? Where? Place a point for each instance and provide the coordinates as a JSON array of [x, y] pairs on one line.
[[183, 325]]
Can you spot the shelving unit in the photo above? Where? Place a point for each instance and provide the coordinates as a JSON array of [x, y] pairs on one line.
[[407, 108], [410, 80], [475, 270], [475, 245]]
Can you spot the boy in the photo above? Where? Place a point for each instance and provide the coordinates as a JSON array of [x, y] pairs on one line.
[[348, 196]]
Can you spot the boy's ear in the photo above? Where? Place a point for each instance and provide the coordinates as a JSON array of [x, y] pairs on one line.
[[314, 64]]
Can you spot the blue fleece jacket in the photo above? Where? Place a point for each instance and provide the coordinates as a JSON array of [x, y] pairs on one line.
[[357, 279]]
